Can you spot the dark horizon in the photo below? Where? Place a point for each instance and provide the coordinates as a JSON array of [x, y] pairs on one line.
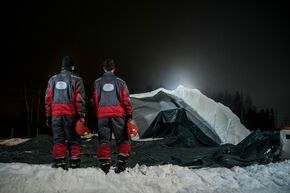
[[212, 46]]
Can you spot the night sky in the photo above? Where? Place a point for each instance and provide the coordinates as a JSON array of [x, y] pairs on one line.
[[209, 45]]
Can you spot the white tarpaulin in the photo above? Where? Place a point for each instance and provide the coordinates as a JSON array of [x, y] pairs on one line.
[[219, 117]]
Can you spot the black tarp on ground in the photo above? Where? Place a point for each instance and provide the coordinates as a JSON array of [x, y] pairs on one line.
[[256, 148]]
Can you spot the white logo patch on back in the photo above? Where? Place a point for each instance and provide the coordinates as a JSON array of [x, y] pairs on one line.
[[61, 85], [108, 87]]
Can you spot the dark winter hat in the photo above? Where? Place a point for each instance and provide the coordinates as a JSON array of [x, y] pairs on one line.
[[109, 64], [67, 62]]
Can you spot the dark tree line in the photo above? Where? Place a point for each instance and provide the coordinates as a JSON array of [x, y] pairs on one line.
[[252, 117], [28, 119]]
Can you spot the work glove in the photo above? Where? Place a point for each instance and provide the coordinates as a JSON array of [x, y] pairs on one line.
[[48, 121]]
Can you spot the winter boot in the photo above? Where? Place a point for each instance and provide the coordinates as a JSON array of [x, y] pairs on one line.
[[59, 163], [121, 164], [75, 163], [105, 165]]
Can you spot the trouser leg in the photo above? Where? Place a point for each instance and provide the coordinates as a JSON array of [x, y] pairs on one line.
[[120, 131], [104, 150], [63, 128], [121, 135], [59, 148], [73, 140], [72, 137], [104, 132]]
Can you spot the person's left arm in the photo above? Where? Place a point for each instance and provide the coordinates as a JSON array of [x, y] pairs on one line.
[[80, 98], [126, 101]]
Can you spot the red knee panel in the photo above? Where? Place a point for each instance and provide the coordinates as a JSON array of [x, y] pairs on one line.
[[58, 151], [104, 152], [124, 149], [75, 151]]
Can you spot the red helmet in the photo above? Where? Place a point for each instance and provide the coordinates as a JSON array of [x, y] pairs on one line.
[[81, 129], [132, 129]]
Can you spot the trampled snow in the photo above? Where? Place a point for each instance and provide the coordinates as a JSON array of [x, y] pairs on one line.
[[21, 178], [220, 118]]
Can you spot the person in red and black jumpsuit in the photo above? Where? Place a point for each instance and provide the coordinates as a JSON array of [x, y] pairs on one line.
[[112, 109], [65, 104]]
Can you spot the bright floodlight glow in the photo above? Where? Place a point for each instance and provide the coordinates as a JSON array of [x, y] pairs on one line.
[[179, 77]]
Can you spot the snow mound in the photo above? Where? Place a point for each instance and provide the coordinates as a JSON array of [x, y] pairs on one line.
[[220, 118], [18, 177], [13, 141]]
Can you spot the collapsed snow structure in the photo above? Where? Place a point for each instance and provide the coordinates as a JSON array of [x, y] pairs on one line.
[[188, 112]]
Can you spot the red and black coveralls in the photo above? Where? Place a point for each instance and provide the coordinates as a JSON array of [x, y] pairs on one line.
[[112, 107], [65, 102]]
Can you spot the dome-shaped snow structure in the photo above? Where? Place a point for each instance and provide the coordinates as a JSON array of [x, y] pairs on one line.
[[162, 113]]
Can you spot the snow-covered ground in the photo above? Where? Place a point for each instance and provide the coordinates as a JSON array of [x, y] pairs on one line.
[[13, 141], [272, 178]]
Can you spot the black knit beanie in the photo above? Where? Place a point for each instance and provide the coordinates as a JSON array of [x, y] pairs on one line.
[[67, 62]]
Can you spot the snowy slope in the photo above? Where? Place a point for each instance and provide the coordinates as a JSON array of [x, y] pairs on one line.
[[272, 178], [221, 119]]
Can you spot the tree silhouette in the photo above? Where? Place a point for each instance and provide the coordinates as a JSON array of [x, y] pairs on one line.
[[242, 105]]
